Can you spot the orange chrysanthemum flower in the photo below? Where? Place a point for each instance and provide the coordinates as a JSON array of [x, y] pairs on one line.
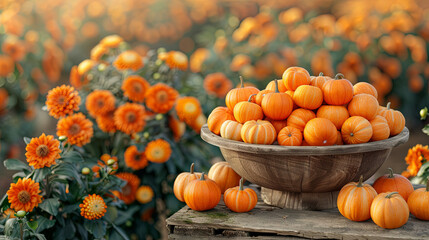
[[42, 151], [415, 158], [158, 151], [135, 87], [197, 59], [111, 41], [129, 118], [104, 158], [177, 127], [128, 192], [6, 65], [76, 80], [9, 212], [98, 52], [13, 47], [135, 159], [100, 102], [128, 60], [77, 128], [93, 207], [198, 122], [62, 101], [106, 122], [160, 98], [85, 66], [4, 97], [176, 59], [24, 195], [188, 109], [217, 84], [144, 194]]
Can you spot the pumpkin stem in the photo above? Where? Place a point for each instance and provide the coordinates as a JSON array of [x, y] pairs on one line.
[[390, 173], [391, 194], [192, 168], [277, 86], [241, 82], [320, 74], [339, 76], [250, 97], [202, 176], [360, 183], [388, 106], [241, 188]]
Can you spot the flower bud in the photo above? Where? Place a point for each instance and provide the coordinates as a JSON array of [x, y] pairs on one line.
[[423, 113], [146, 135], [62, 138], [110, 162], [21, 214], [85, 171], [159, 116], [156, 76]]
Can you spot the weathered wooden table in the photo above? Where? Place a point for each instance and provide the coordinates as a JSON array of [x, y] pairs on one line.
[[267, 222]]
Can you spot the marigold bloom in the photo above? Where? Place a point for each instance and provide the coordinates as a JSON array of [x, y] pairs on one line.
[[135, 88], [197, 59], [9, 212], [188, 109], [13, 47], [158, 151], [62, 101], [77, 128], [111, 41], [24, 195], [414, 158], [106, 122], [6, 65], [177, 127], [98, 52], [176, 59], [128, 60], [144, 194], [85, 66], [128, 192], [198, 122], [217, 84], [42, 151], [160, 98], [93, 207], [239, 61], [135, 159], [100, 102], [129, 118]]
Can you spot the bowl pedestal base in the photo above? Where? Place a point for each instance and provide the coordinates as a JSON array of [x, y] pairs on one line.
[[300, 201]]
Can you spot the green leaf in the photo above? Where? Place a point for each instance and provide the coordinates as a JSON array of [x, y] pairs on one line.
[[27, 140], [123, 216], [40, 236], [4, 203], [71, 208], [14, 164], [426, 129], [41, 173], [423, 169], [33, 224], [96, 227], [72, 157], [50, 206], [120, 232], [44, 223]]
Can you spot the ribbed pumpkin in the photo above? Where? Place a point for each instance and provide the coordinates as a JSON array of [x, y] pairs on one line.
[[418, 203], [246, 111], [336, 114], [261, 95], [290, 136], [339, 139], [202, 194], [320, 132], [224, 176], [258, 132], [380, 128], [354, 200], [338, 91], [240, 199], [290, 93], [394, 183], [394, 118], [278, 124], [356, 130], [389, 210], [293, 77], [272, 86], [299, 118], [240, 94], [182, 180], [277, 105], [217, 117], [318, 81], [231, 130], [364, 87], [308, 97], [363, 105]]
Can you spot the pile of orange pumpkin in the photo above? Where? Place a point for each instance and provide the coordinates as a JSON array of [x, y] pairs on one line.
[[304, 110], [201, 192], [388, 202]]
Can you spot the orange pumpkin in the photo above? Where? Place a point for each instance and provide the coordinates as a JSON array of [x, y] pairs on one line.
[[394, 183], [272, 86], [320, 132], [308, 97], [278, 124], [356, 130], [224, 176], [290, 136], [231, 130], [277, 105], [246, 111], [240, 94], [364, 87], [318, 81], [258, 132], [182, 180], [354, 200], [418, 202], [217, 117], [202, 194], [238, 199], [363, 105], [299, 118], [339, 139], [261, 95], [336, 114], [389, 210], [394, 118], [290, 93], [338, 91], [293, 77], [380, 128]]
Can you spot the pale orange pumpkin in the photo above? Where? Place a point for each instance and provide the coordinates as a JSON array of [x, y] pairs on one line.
[[380, 128], [277, 105], [202, 194], [290, 136], [338, 91], [394, 118], [217, 117], [182, 180], [258, 132], [231, 130], [272, 86], [261, 95], [394, 183], [363, 105], [364, 87], [240, 199], [389, 210], [336, 114], [418, 202], [240, 94], [246, 111], [356, 130], [299, 118], [224, 176], [308, 97], [293, 77], [320, 132], [318, 81]]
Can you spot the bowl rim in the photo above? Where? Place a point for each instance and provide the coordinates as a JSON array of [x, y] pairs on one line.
[[238, 146]]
